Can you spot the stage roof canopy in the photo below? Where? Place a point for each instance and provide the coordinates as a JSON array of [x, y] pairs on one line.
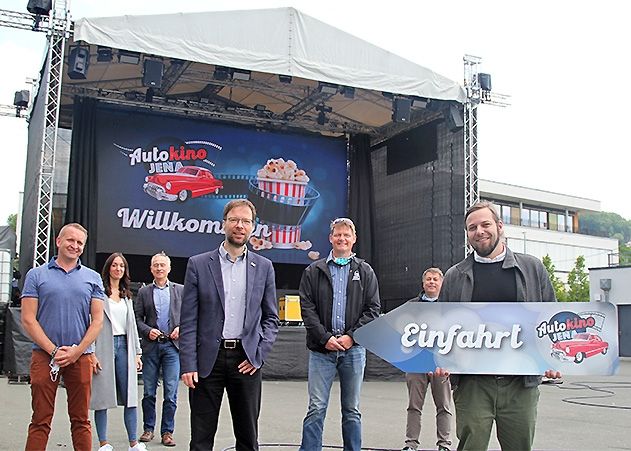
[[235, 66]]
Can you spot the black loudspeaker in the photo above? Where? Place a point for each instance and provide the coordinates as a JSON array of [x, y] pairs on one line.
[[21, 98], [41, 7], [454, 119], [401, 109], [485, 81], [78, 63], [152, 76]]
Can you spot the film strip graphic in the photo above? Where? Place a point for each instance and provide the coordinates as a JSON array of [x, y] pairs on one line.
[[235, 186]]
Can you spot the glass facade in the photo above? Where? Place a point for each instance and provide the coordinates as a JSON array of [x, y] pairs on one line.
[[537, 217]]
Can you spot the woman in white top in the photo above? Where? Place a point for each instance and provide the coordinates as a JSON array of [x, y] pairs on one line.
[[117, 352]]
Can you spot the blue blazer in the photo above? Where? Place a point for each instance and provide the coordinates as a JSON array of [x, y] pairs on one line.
[[202, 314]]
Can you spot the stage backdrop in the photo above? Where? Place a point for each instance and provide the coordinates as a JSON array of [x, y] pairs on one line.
[[163, 182]]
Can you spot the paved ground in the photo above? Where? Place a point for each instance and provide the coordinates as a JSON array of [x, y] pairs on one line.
[[602, 422]]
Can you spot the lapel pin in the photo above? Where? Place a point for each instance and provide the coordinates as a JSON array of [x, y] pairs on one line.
[[253, 264]]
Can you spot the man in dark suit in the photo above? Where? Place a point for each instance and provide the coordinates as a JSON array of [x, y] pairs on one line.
[[157, 311], [231, 292]]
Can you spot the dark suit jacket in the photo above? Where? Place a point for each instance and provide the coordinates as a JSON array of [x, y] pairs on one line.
[[202, 317], [147, 316]]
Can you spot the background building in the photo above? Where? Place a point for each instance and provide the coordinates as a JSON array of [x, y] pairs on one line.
[[543, 223]]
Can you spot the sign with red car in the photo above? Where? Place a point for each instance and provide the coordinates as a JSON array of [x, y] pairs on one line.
[[518, 338]]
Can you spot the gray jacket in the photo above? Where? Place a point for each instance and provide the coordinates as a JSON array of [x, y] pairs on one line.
[[104, 382], [533, 285]]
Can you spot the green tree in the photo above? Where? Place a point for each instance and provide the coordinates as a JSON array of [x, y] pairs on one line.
[[624, 253], [578, 282], [600, 223], [557, 284], [12, 221]]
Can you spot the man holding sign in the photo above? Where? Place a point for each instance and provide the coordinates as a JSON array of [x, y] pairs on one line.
[[493, 273]]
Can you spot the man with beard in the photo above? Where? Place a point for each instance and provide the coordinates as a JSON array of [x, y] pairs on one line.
[[228, 323], [493, 273]]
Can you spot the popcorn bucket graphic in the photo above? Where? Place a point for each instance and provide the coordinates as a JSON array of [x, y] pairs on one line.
[[283, 206]]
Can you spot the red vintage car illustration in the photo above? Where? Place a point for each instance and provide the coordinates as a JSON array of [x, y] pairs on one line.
[[188, 181], [580, 347]]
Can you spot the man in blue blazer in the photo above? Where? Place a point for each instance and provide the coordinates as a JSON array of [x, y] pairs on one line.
[[228, 323], [157, 310]]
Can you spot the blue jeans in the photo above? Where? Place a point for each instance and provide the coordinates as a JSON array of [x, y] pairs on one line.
[[349, 365], [167, 357], [130, 414]]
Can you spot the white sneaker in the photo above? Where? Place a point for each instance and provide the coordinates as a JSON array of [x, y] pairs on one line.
[[106, 447], [138, 447]]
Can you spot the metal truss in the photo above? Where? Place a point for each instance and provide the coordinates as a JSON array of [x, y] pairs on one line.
[[475, 97], [216, 111], [472, 87], [58, 31], [13, 111]]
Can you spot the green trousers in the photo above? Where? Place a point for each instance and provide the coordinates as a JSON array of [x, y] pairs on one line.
[[480, 400]]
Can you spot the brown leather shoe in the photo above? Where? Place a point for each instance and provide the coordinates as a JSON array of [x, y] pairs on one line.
[[146, 436], [167, 439]]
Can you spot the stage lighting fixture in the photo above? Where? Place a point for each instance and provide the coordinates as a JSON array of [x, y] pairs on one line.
[[221, 73], [21, 99], [289, 116], [401, 109], [243, 75], [78, 62], [149, 95], [231, 108], [260, 107], [104, 54], [485, 82], [323, 108], [39, 7], [152, 74], [284, 78], [132, 95], [128, 57], [327, 88], [204, 100], [349, 92], [322, 119], [419, 102]]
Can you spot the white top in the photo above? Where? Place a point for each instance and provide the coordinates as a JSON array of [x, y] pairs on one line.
[[118, 316]]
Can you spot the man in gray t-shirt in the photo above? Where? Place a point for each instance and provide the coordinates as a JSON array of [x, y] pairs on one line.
[[62, 312]]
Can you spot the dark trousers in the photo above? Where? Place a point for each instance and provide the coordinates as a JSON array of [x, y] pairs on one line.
[[244, 396]]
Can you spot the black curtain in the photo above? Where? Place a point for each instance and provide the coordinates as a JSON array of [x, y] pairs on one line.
[[82, 175], [361, 195]]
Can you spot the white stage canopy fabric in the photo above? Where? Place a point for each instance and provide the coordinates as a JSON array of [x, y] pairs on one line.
[[278, 41]]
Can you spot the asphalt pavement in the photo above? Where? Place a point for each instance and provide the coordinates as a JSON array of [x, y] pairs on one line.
[[583, 413]]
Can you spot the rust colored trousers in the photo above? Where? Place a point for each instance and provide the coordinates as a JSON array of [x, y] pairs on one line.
[[77, 380]]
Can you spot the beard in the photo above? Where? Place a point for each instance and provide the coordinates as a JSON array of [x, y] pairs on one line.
[[485, 251], [237, 242]]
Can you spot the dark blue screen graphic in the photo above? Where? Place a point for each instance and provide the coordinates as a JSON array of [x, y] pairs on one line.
[[163, 182]]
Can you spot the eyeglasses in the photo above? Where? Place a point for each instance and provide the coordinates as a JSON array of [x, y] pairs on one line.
[[234, 221]]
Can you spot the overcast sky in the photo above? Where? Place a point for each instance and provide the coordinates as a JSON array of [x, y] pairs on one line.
[[565, 64]]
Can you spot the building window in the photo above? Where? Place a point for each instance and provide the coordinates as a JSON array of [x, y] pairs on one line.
[[525, 217], [506, 217], [560, 222]]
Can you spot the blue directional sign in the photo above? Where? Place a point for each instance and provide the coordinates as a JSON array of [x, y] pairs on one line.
[[497, 337]]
